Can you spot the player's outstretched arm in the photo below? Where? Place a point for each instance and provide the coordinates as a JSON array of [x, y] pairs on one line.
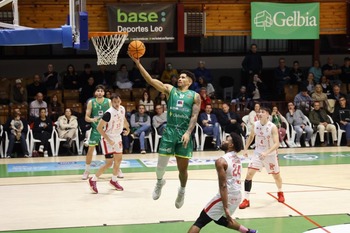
[[164, 88]]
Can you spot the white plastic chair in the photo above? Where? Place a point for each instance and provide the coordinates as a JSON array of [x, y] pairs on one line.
[[289, 133], [33, 141], [200, 137], [150, 140], [157, 138], [2, 153], [58, 140], [314, 135]]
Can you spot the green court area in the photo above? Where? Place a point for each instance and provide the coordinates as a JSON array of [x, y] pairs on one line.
[[264, 225], [148, 165]]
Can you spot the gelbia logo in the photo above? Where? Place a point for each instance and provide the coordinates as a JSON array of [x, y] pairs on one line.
[[264, 19]]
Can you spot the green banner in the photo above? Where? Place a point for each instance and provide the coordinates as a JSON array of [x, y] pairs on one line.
[[285, 21]]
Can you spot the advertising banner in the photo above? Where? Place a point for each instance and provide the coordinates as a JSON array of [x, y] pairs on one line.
[[285, 21], [146, 22]]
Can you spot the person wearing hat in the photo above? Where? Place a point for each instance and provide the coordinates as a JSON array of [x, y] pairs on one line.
[[19, 94]]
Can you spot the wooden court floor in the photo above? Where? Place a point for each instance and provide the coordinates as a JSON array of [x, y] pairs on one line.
[[316, 186]]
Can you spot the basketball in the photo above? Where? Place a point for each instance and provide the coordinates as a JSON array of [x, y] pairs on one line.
[[136, 49]]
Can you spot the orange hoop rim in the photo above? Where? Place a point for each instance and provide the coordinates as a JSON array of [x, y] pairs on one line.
[[98, 34]]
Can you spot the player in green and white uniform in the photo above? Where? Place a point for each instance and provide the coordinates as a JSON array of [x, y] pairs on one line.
[[95, 109], [183, 108]]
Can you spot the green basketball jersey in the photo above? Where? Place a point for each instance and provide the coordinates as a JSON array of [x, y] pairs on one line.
[[180, 108], [98, 109]]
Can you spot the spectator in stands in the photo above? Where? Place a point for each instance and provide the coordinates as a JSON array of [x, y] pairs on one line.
[[42, 130], [210, 125], [319, 96], [277, 120], [55, 108], [104, 77], [67, 128], [17, 129], [108, 94], [19, 94], [242, 99], [202, 71], [36, 105], [303, 101], [253, 116], [255, 88], [251, 64], [341, 116], [326, 86], [345, 73], [70, 78], [168, 73], [161, 99], [296, 75], [309, 83], [160, 119], [316, 70], [83, 78], [318, 117], [331, 71], [122, 79], [147, 101], [51, 78], [140, 125], [336, 94], [282, 78], [88, 90], [205, 99], [136, 78], [35, 87], [298, 120], [230, 121], [203, 83], [173, 81]]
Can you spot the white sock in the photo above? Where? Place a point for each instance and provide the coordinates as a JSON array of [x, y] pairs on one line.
[[247, 195], [162, 164], [114, 178], [87, 167], [182, 189], [94, 178]]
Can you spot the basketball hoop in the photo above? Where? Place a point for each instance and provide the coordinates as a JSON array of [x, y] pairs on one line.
[[107, 46]]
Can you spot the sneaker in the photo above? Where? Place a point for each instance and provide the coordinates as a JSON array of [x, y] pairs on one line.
[[120, 174], [297, 144], [116, 185], [244, 204], [214, 141], [280, 197], [9, 157], [27, 156], [86, 142], [41, 149], [323, 144], [158, 189], [93, 186], [307, 144], [46, 153], [143, 152], [85, 175], [180, 199], [252, 231]]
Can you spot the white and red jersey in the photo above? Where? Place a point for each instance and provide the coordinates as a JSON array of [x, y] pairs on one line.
[[263, 136], [115, 124], [233, 172]]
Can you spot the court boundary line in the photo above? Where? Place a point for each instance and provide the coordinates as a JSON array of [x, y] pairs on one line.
[[301, 214]]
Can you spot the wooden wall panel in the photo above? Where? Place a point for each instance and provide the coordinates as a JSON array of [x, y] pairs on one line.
[[221, 19]]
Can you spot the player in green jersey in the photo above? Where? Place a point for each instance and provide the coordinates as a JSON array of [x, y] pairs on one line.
[[183, 108], [95, 109]]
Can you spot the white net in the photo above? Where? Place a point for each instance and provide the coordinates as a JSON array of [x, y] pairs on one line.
[[107, 47]]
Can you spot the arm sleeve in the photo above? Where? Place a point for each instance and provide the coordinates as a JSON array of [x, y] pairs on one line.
[[106, 117]]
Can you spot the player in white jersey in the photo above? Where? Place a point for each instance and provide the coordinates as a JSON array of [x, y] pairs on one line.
[[265, 154], [111, 126], [225, 202]]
